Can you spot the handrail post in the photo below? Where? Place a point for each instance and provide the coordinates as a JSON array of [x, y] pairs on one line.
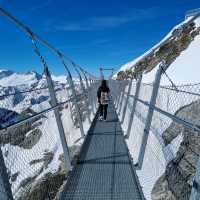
[[54, 103], [72, 86], [152, 103], [5, 185], [195, 193], [122, 98], [127, 99], [77, 107], [119, 97], [116, 92], [84, 93], [112, 85], [58, 119], [137, 91], [94, 94], [88, 90], [92, 97]]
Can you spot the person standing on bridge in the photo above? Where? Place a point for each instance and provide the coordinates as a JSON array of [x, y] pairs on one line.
[[103, 98]]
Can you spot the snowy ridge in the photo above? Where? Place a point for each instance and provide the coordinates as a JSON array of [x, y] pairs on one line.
[[183, 69], [131, 64], [9, 78]]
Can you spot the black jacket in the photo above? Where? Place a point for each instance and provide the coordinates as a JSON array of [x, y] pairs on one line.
[[102, 89]]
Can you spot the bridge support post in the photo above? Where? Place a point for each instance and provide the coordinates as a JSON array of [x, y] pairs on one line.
[[195, 194], [138, 84], [127, 99], [58, 119], [122, 98], [5, 187], [152, 103]]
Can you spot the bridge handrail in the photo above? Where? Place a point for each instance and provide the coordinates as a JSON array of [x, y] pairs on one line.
[[175, 118], [139, 96]]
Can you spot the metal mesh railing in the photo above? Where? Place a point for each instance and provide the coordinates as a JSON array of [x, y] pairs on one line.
[[32, 149], [171, 153]]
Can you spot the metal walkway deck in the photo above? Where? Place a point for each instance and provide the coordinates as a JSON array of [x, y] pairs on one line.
[[104, 169]]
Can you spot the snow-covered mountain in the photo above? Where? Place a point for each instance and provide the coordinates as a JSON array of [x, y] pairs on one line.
[[10, 78], [31, 78], [14, 82]]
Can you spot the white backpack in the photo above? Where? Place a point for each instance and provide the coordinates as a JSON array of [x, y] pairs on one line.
[[104, 98]]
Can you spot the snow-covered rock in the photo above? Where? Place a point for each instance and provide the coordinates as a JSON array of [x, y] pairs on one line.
[[180, 48], [180, 172]]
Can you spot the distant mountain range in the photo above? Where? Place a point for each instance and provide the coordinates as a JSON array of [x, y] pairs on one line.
[[11, 78]]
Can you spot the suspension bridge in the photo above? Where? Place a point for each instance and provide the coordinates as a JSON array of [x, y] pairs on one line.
[[119, 159]]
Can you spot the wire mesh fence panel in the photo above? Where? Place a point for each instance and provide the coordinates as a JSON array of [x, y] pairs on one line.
[[181, 151], [135, 140], [167, 157], [3, 193], [177, 145], [128, 111], [145, 92], [153, 166], [5, 189], [62, 93], [122, 91], [33, 156], [171, 100], [122, 105], [32, 149], [115, 90], [94, 93]]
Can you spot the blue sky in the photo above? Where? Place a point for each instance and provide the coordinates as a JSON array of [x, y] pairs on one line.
[[93, 33]]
